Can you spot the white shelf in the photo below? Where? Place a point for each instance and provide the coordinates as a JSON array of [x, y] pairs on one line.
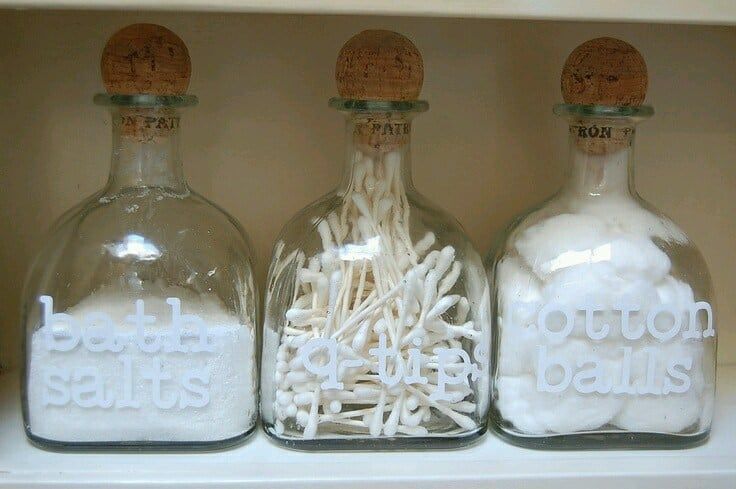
[[719, 12], [259, 463]]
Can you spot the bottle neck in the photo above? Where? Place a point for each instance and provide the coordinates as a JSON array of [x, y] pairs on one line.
[[378, 149], [601, 159], [145, 150]]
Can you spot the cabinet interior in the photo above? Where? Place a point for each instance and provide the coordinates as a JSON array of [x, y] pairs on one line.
[[263, 144]]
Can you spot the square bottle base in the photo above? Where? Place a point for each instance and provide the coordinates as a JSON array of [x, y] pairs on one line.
[[378, 444], [602, 440], [140, 446]]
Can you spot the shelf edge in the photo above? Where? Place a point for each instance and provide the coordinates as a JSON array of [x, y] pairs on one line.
[[713, 12]]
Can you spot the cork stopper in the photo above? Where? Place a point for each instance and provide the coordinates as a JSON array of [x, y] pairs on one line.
[[604, 71], [379, 65], [145, 59]]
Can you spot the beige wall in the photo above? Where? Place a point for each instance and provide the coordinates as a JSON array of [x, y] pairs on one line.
[[263, 143]]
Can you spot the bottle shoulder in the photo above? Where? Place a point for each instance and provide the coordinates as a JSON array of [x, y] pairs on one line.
[[146, 228], [434, 215], [421, 212], [615, 215], [309, 216], [149, 210], [613, 240]]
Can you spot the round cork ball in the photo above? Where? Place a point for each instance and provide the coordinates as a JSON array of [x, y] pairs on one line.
[[145, 59], [604, 71], [379, 65]]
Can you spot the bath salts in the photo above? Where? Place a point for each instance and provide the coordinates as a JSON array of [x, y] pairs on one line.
[[170, 366]]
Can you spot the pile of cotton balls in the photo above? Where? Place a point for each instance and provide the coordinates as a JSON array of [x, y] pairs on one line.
[[600, 251]]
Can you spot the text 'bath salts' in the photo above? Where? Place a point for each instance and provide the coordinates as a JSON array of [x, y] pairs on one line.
[[170, 366]]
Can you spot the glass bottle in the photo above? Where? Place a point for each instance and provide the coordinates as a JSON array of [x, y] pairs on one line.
[[375, 333], [603, 315], [139, 310]]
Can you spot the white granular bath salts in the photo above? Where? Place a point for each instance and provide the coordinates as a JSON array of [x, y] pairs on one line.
[[172, 366]]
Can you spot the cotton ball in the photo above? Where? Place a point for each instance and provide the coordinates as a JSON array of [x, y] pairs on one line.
[[518, 291], [517, 348], [635, 256], [622, 213], [573, 351], [519, 298], [598, 288], [569, 290], [517, 406], [580, 412], [672, 412], [696, 351], [559, 241], [674, 291], [571, 284], [652, 352], [678, 297], [630, 256], [640, 295], [572, 410], [534, 412]]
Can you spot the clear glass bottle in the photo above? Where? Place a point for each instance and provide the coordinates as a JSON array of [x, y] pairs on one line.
[[603, 315], [375, 333], [140, 309]]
